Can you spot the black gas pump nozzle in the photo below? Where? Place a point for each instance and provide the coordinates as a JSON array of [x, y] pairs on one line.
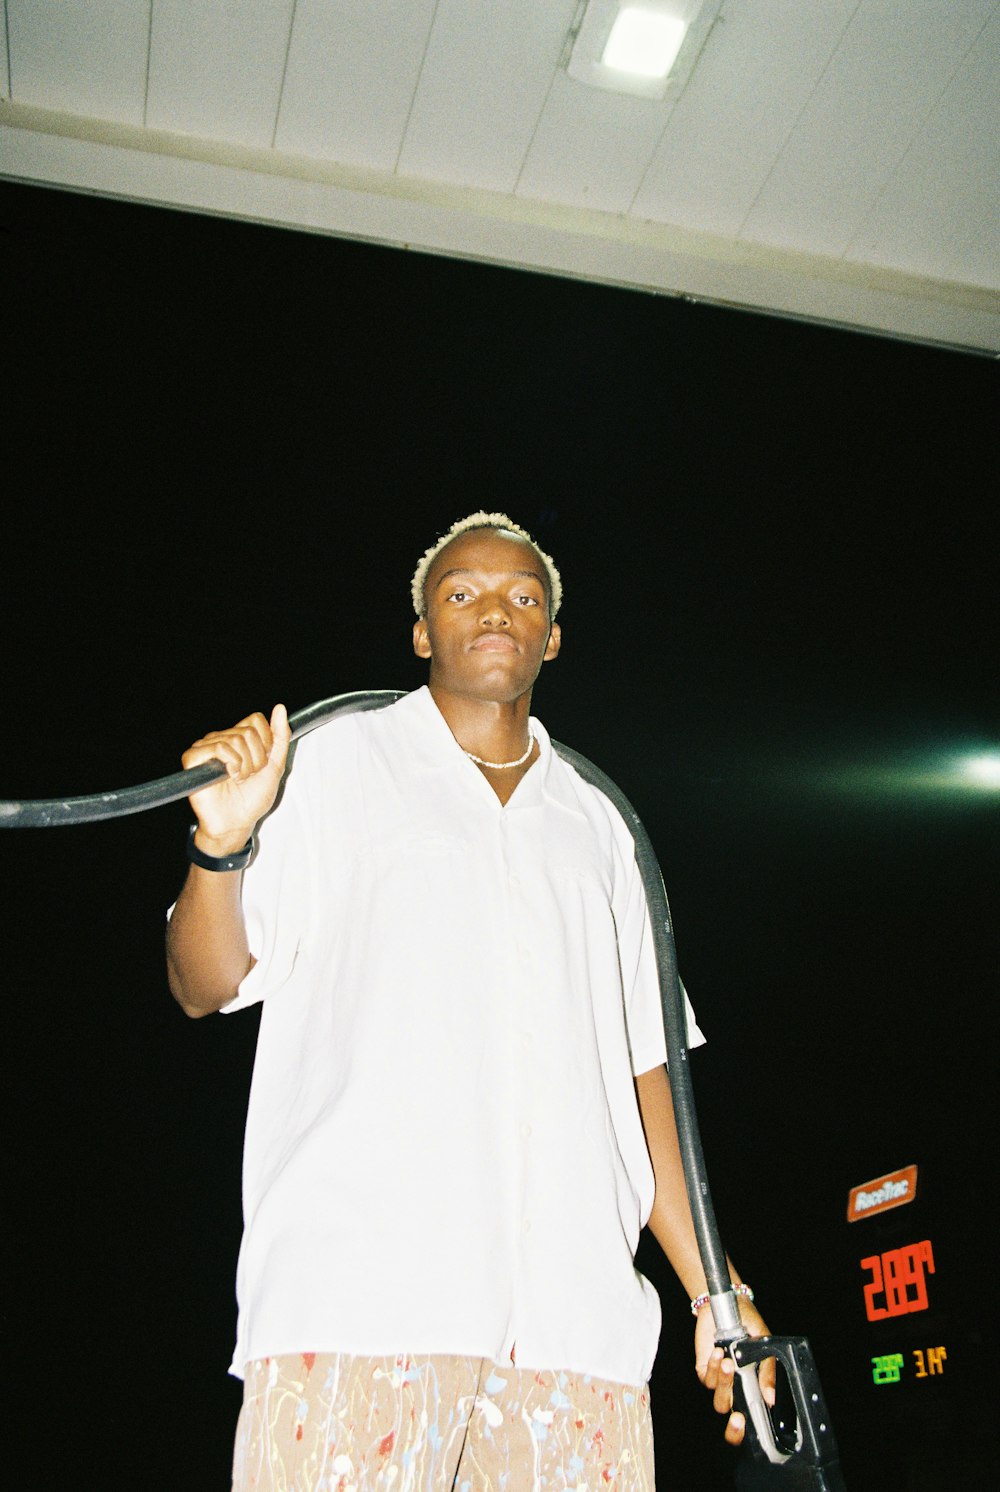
[[801, 1457]]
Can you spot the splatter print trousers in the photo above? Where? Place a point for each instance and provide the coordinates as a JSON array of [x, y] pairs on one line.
[[329, 1422]]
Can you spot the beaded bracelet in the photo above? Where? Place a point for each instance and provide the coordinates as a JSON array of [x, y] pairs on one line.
[[700, 1301]]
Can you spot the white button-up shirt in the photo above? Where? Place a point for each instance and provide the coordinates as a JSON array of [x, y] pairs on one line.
[[443, 1150]]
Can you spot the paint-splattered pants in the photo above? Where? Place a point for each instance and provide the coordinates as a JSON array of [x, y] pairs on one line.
[[329, 1422]]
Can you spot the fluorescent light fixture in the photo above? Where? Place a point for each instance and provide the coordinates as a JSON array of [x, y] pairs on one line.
[[644, 42], [643, 47]]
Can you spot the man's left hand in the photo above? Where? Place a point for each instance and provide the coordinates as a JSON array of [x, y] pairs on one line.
[[716, 1369]]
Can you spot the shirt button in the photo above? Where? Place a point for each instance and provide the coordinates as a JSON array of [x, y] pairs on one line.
[[527, 1225], [526, 1131]]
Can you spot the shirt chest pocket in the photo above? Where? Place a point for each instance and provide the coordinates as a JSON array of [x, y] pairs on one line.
[[417, 869], [443, 870], [560, 848]]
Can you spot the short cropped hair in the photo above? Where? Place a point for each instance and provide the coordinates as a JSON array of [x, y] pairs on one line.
[[483, 520]]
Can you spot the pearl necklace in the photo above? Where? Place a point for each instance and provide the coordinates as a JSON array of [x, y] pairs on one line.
[[502, 766]]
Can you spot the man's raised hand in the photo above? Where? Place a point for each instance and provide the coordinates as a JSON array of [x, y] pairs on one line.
[[254, 753]]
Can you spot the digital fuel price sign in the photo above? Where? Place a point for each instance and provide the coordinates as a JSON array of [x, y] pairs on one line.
[[898, 1283], [909, 1348], [927, 1363]]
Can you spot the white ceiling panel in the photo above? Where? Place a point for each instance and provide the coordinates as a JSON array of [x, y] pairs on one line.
[[80, 56], [591, 147], [940, 214], [831, 159], [485, 78], [262, 186], [759, 68], [215, 68], [892, 66], [353, 67]]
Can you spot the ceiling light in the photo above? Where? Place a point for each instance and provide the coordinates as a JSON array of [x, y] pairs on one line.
[[644, 47], [644, 42]]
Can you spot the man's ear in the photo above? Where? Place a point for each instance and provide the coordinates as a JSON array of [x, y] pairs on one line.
[[554, 643], [421, 642]]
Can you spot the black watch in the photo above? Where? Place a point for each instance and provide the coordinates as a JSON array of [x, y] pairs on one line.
[[238, 860]]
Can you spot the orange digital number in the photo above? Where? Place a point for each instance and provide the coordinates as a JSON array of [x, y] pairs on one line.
[[874, 1311], [898, 1277]]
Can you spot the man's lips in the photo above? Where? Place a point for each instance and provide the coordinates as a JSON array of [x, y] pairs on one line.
[[493, 642]]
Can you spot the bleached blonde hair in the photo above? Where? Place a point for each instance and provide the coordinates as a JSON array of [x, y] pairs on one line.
[[483, 520]]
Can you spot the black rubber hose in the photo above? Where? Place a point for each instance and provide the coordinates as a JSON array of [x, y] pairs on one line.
[[706, 1228], [818, 1470], [52, 812]]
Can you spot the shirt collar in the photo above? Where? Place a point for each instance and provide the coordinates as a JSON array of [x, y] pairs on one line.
[[432, 748]]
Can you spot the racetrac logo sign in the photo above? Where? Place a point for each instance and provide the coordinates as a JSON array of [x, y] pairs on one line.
[[884, 1192]]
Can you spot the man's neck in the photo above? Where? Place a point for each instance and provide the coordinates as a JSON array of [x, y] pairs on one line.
[[494, 730]]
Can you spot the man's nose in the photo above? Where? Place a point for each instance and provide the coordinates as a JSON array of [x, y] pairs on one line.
[[494, 612]]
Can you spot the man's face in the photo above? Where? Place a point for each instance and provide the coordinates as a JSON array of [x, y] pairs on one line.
[[487, 630]]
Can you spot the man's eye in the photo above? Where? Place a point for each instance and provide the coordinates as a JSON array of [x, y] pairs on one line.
[[459, 596], [526, 600]]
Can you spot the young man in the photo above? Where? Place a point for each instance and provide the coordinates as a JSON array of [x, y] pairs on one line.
[[460, 1118]]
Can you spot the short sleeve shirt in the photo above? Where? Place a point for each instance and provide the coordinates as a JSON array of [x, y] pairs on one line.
[[443, 1148]]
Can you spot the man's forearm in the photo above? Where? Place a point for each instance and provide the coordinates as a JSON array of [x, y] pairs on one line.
[[671, 1225], [670, 1220], [207, 950]]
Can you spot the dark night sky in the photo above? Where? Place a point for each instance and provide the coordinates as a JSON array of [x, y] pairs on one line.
[[225, 446]]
